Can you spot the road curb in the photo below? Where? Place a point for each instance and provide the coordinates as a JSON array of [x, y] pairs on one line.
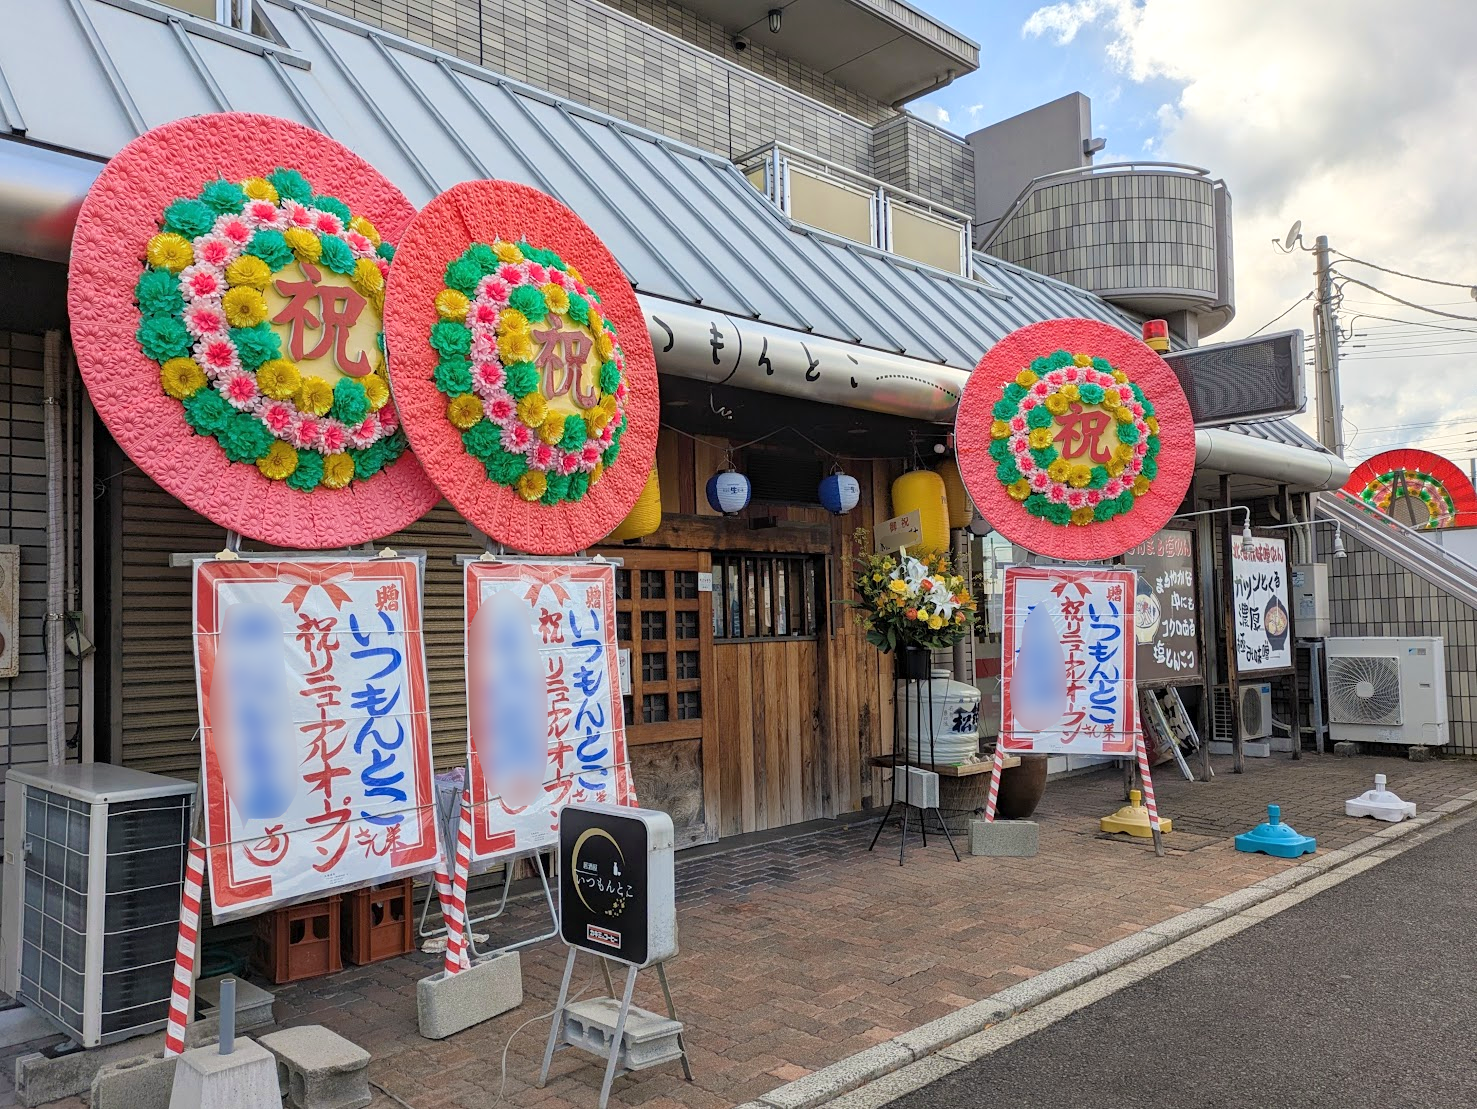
[[892, 1055]]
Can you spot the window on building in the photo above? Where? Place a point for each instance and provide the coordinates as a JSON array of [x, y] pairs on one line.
[[660, 618], [767, 597]]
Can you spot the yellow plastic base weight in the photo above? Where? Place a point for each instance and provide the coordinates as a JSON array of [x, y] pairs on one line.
[[1133, 819]]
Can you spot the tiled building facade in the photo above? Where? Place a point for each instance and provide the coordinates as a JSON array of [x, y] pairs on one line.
[[666, 68]]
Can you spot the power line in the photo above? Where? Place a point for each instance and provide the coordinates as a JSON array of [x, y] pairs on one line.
[[1409, 276], [1400, 300], [1289, 308]]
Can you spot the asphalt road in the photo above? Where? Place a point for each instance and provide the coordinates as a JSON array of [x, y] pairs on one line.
[[1363, 995]]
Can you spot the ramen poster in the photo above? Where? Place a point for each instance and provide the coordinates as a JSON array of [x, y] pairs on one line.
[[1263, 626], [1067, 661], [544, 715]]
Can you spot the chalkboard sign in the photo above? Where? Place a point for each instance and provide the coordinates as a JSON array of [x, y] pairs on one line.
[[616, 882], [1166, 609]]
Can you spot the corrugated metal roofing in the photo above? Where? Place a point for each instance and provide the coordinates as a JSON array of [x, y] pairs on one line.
[[89, 75]]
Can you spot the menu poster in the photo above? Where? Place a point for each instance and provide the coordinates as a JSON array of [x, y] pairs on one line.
[[1165, 610], [1263, 627]]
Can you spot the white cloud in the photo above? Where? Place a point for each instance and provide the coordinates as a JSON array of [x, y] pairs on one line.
[[934, 113], [1349, 117]]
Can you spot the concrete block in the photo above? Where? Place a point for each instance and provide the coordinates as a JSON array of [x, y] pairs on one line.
[[244, 1079], [253, 1004], [1417, 753], [141, 1083], [446, 1006], [1003, 838], [1346, 749], [319, 1069]]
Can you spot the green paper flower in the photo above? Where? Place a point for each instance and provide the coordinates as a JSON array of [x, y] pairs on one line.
[[529, 301], [271, 248], [157, 293], [574, 435], [1091, 394], [163, 337], [350, 402], [463, 275], [1040, 416], [1102, 366], [579, 310], [451, 339], [256, 344], [309, 471], [386, 251], [335, 205], [1044, 457], [337, 255], [609, 455], [1059, 360], [1099, 477], [1148, 407], [207, 412], [579, 485], [454, 376], [1149, 468], [1128, 433], [610, 377], [291, 185], [1008, 473], [1125, 502], [1003, 409], [556, 489], [368, 462], [1000, 450], [1014, 394], [1058, 513], [483, 439], [244, 438], [188, 217], [1040, 367], [1105, 510], [483, 257], [505, 468], [520, 378], [224, 198]]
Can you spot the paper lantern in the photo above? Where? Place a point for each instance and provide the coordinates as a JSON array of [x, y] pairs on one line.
[[645, 515], [924, 490], [839, 493], [728, 492], [961, 508]]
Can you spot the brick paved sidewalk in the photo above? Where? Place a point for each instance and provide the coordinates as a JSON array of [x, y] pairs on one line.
[[798, 953]]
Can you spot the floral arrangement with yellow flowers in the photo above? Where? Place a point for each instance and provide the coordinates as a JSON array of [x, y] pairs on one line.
[[1438, 500], [498, 300], [1024, 438], [203, 308], [910, 602]]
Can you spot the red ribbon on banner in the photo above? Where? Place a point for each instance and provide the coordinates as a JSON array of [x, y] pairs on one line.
[[309, 579]]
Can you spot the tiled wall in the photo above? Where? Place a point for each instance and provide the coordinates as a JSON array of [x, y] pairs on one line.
[[661, 66], [921, 158], [1372, 595]]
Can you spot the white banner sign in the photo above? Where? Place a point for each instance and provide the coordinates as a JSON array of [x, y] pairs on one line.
[[1259, 574]]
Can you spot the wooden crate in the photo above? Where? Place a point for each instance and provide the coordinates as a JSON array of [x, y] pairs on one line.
[[378, 922], [299, 941]]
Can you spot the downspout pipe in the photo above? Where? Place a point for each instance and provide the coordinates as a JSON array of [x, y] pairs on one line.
[[56, 690]]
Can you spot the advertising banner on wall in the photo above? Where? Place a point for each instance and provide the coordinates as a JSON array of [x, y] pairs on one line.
[[545, 721], [1259, 575], [315, 730], [1067, 661], [1165, 616]]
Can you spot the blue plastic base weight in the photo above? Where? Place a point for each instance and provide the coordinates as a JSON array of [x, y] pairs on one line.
[[1276, 838]]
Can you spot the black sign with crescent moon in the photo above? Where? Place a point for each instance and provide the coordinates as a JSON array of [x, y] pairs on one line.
[[603, 884]]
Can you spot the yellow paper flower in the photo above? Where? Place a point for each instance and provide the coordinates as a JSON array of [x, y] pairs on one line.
[[935, 621], [367, 277], [532, 484], [315, 395], [259, 188], [171, 251], [574, 273], [556, 298], [604, 345], [897, 585], [1019, 490], [1140, 485], [1123, 453], [1082, 360], [1082, 516], [595, 420], [596, 472], [552, 429], [1056, 404], [515, 346], [377, 300], [338, 470], [1040, 438], [1111, 399], [181, 377], [377, 390], [244, 306], [1123, 414], [1152, 423], [1059, 469], [451, 305], [1071, 392], [507, 252], [278, 378], [512, 322], [1120, 377], [1115, 468], [249, 270], [1025, 379], [1079, 475], [999, 430], [464, 411], [280, 461], [365, 228], [307, 247], [533, 409]]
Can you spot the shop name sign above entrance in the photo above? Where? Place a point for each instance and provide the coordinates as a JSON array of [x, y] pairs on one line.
[[901, 531]]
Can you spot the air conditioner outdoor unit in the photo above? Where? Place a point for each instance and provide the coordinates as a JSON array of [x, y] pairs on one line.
[[1256, 720], [1387, 690], [1256, 711], [94, 863]]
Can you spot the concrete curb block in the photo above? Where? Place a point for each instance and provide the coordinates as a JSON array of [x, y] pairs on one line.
[[1316, 874]]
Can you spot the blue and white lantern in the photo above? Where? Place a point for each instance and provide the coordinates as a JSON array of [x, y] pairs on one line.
[[839, 493], [728, 492]]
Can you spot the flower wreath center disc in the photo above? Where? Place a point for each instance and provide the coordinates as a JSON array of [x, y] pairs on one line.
[[1075, 439], [226, 293], [522, 367]]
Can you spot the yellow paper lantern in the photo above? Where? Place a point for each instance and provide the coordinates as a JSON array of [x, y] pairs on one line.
[[924, 490], [645, 515], [961, 508]]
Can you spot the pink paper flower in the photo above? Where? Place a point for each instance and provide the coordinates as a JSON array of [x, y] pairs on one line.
[[327, 223], [501, 408], [1058, 495], [1113, 487], [366, 433], [483, 313], [569, 463], [334, 436], [1029, 402], [1040, 389], [1077, 498], [510, 273], [1025, 463], [201, 281], [496, 289], [296, 214], [620, 393], [1072, 373], [383, 264], [1040, 482], [537, 273], [1094, 497], [279, 419], [560, 278], [1137, 409], [307, 433], [488, 375], [1056, 379], [261, 213], [204, 319], [216, 250], [1140, 449], [607, 435], [518, 436], [234, 229], [1021, 447], [358, 243], [1018, 424], [389, 418], [484, 346], [239, 388], [542, 456], [217, 357], [589, 456]]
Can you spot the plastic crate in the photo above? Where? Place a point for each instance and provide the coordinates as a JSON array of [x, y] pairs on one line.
[[298, 942], [378, 922]]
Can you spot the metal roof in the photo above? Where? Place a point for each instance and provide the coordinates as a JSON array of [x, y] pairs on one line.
[[685, 224]]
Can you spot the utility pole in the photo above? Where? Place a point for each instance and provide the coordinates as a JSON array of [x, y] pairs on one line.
[[1326, 355]]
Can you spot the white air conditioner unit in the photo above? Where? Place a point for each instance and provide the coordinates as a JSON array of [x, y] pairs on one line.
[[1256, 711], [1387, 690], [94, 863]]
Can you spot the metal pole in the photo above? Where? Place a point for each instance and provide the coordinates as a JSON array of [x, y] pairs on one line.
[[1285, 497], [228, 1015], [1326, 353], [1228, 616]]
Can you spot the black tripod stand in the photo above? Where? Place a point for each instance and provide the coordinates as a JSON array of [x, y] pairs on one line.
[[911, 694]]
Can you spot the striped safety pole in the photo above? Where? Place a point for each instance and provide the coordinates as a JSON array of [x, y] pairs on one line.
[[186, 950], [1148, 782], [457, 959], [995, 769]]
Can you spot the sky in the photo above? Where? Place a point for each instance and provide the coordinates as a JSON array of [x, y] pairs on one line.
[[1356, 117]]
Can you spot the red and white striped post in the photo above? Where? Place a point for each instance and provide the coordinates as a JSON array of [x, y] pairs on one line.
[[995, 768], [454, 902], [186, 951], [1148, 782]]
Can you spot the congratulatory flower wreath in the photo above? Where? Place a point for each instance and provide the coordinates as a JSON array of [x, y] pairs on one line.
[[202, 298], [1047, 439], [517, 329]]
